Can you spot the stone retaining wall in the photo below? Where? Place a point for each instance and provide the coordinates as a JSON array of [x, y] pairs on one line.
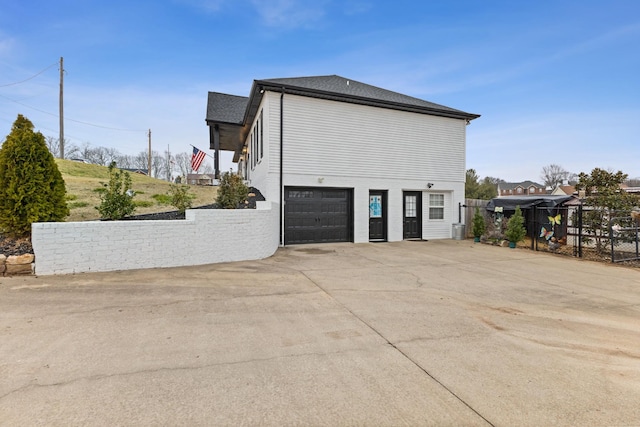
[[16, 264], [206, 236]]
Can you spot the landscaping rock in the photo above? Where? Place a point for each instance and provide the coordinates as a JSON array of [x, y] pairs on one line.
[[20, 259], [17, 269]]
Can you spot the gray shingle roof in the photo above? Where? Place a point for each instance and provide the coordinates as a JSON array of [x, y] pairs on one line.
[[350, 88], [225, 108]]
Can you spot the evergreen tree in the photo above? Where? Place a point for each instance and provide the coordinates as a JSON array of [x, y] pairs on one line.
[[232, 191], [31, 186]]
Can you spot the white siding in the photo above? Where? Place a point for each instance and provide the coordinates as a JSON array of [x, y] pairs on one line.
[[336, 144], [337, 138], [438, 228]]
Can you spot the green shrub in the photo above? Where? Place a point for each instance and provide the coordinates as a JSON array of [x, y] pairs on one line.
[[181, 199], [232, 191], [515, 231], [478, 223], [31, 186], [117, 200]]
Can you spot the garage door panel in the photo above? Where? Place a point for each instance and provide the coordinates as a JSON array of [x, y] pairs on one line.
[[316, 215]]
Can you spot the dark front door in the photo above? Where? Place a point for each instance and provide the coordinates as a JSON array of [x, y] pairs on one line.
[[317, 215], [412, 214], [377, 216]]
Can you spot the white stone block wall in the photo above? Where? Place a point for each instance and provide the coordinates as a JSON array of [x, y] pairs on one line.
[[206, 236]]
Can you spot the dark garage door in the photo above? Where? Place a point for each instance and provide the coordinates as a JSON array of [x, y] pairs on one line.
[[317, 215]]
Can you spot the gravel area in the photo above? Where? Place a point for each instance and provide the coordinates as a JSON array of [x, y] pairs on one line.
[[10, 246]]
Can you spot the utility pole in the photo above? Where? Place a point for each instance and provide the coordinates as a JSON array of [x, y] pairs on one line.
[[61, 108], [149, 156], [168, 164]]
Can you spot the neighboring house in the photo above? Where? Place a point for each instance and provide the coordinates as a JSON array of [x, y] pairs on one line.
[[633, 190], [564, 190], [135, 170], [199, 179], [345, 161], [525, 188]]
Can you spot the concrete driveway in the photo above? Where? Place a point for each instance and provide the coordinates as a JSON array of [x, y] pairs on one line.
[[411, 333]]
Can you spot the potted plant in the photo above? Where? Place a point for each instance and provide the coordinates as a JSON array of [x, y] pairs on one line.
[[478, 225], [515, 231]]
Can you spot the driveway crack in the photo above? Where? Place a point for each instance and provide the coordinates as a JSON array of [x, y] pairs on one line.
[[405, 355]]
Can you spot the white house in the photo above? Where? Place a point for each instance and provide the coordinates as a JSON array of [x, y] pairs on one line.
[[345, 161]]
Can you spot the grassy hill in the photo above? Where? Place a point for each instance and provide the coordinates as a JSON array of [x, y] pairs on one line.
[[82, 180]]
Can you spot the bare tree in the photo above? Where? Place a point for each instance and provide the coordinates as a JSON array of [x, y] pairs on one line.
[[554, 175], [158, 163], [125, 161], [183, 163], [111, 155], [141, 160], [206, 168], [53, 144]]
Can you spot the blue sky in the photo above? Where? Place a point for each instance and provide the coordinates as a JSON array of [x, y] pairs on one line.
[[555, 81]]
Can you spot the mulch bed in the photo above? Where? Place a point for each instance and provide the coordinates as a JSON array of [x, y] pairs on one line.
[[11, 246]]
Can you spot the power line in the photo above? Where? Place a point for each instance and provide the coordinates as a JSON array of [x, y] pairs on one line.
[[32, 77], [72, 120]]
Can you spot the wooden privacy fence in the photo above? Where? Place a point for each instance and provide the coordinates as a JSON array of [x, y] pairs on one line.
[[469, 209]]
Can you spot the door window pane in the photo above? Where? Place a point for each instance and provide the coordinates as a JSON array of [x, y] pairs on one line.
[[410, 206], [375, 206]]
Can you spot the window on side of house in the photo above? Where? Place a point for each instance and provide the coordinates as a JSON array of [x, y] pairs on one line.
[[436, 206], [261, 136], [254, 152]]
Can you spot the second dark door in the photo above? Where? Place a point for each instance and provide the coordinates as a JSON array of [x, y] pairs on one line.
[[412, 214]]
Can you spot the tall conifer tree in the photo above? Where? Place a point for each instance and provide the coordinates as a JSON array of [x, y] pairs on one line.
[[31, 186]]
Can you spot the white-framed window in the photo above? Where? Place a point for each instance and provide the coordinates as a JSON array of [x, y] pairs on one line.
[[436, 206], [519, 190], [261, 136]]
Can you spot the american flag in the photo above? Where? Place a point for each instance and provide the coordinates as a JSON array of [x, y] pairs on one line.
[[196, 159]]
